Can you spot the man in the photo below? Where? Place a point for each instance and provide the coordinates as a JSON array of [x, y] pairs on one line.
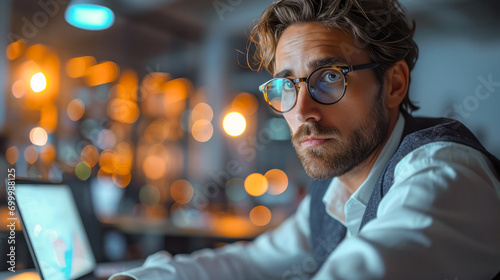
[[395, 197]]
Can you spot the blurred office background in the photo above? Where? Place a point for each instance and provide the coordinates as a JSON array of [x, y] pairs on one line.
[[158, 126]]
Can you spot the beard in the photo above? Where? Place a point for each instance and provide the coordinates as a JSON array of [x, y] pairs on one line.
[[341, 153]]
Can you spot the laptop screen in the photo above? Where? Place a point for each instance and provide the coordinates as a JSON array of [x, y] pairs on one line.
[[55, 231]]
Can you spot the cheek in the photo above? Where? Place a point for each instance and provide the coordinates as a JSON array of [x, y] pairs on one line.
[[289, 117]]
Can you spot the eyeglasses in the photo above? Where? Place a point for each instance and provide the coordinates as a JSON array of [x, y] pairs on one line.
[[326, 85]]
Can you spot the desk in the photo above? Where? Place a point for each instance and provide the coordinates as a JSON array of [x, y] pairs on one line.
[[221, 225]]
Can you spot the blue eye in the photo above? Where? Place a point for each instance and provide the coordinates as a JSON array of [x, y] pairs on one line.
[[288, 85], [331, 78]]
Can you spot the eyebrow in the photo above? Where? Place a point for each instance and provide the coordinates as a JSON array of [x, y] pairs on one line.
[[315, 64]]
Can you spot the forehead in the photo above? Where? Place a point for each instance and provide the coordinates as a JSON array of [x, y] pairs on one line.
[[302, 43]]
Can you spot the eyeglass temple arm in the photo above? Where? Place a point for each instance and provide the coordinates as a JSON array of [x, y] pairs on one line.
[[362, 67]]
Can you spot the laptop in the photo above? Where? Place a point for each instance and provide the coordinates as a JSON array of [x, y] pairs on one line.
[[55, 234]]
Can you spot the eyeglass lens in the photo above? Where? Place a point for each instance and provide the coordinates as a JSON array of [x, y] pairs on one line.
[[326, 86]]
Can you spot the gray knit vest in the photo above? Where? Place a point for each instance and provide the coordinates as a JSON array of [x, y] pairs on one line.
[[327, 233]]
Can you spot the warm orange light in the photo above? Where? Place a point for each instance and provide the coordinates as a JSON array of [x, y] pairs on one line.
[[12, 154], [37, 52], [102, 73], [234, 124], [30, 154], [152, 83], [232, 226], [18, 89], [90, 155], [123, 110], [38, 82], [78, 66], [181, 191], [245, 103], [278, 181], [48, 117], [157, 131], [202, 111], [176, 90], [202, 130], [107, 161], [256, 184], [124, 158], [38, 136], [128, 85], [48, 154], [75, 109], [260, 215], [15, 49], [122, 181], [154, 167], [25, 276]]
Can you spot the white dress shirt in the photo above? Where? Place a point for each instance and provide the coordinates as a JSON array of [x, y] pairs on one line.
[[440, 220]]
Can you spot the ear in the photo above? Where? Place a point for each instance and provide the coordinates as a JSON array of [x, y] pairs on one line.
[[397, 79]]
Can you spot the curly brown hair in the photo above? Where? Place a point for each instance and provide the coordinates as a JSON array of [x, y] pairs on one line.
[[378, 26]]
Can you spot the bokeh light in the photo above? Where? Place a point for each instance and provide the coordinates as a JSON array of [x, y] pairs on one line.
[[38, 136], [89, 16], [245, 103], [12, 154], [234, 124], [82, 171], [235, 189], [75, 109], [90, 155], [48, 117], [176, 90], [154, 167], [202, 130], [30, 154], [157, 131], [15, 49], [78, 66], [106, 139], [260, 215], [202, 111], [38, 82], [102, 73], [124, 158], [107, 161], [149, 195], [256, 184], [278, 181], [122, 180], [181, 191], [18, 89], [123, 110], [48, 154]]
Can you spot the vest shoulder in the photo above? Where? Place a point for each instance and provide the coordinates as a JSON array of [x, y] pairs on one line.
[[421, 131]]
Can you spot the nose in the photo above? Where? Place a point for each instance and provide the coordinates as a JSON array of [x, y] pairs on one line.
[[306, 109]]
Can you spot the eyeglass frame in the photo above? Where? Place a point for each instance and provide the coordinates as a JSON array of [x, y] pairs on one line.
[[343, 69]]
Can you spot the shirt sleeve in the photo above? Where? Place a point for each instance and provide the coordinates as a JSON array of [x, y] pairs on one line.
[[270, 256], [439, 220]]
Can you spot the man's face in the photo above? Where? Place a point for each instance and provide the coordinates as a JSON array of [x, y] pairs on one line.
[[331, 140]]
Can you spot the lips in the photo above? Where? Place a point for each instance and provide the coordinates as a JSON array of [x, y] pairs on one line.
[[313, 141]]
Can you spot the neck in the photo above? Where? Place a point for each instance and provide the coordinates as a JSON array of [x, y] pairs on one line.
[[353, 179]]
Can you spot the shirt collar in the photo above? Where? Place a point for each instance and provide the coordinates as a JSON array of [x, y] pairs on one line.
[[333, 198]]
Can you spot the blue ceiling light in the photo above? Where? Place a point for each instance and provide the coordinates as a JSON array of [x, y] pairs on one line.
[[89, 16]]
